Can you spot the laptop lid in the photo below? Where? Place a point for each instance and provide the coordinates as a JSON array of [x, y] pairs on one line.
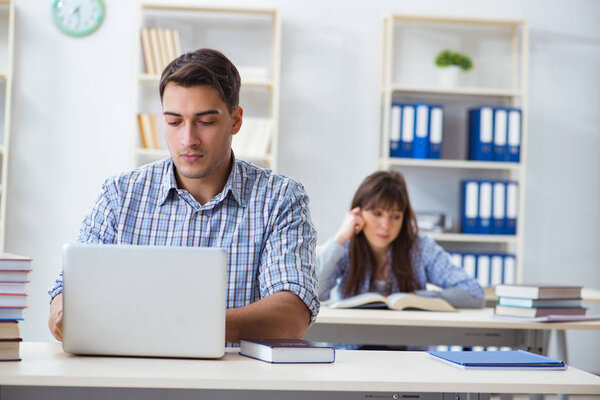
[[144, 300]]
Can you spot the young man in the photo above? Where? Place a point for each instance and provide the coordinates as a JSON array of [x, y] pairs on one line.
[[203, 196]]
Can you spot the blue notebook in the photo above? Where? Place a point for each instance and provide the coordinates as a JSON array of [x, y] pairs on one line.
[[517, 359]]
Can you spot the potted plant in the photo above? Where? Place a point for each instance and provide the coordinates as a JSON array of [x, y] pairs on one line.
[[449, 63]]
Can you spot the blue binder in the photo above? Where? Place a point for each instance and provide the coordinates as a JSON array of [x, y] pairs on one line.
[[499, 208], [407, 136], [514, 135], [470, 206], [512, 207], [480, 134], [395, 130], [485, 207], [509, 270], [483, 270], [436, 131], [496, 269], [421, 146], [500, 134], [470, 264]]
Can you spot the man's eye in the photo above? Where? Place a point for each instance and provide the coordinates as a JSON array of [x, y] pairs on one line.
[[206, 123], [173, 123]]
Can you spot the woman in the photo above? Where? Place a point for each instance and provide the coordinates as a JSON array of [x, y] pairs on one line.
[[378, 249]]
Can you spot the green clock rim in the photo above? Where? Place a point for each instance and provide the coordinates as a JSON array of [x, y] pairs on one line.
[[84, 32]]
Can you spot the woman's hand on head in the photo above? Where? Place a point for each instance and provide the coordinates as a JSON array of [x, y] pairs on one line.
[[352, 224]]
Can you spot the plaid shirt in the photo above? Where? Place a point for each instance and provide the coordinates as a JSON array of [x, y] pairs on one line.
[[260, 218]]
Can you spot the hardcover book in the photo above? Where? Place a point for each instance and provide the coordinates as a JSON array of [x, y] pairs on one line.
[[516, 359], [539, 291], [14, 276], [9, 349], [11, 313], [394, 301], [538, 312], [542, 303], [287, 351], [9, 261], [9, 330]]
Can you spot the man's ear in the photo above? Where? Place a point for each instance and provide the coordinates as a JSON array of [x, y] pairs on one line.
[[236, 120]]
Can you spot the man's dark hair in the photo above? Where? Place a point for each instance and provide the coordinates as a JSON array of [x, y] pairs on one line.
[[204, 67]]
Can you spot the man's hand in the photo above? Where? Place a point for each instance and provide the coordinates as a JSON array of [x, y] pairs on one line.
[[56, 317], [282, 315]]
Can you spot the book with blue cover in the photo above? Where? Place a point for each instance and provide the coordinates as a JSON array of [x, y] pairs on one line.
[[515, 359]]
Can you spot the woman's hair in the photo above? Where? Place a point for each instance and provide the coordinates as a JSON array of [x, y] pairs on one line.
[[387, 190]]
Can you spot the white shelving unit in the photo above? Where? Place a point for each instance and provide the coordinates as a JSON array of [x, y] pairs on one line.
[[499, 49], [7, 28], [251, 39]]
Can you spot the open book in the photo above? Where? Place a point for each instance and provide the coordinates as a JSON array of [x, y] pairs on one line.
[[395, 301]]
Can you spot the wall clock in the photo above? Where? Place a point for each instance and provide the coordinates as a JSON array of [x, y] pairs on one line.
[[78, 17]]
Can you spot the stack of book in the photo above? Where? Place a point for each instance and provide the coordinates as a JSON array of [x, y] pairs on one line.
[[160, 47], [14, 274], [539, 301]]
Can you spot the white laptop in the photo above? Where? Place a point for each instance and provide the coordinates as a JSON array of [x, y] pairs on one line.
[[144, 300]]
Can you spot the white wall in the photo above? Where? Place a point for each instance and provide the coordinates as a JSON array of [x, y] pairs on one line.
[[72, 117]]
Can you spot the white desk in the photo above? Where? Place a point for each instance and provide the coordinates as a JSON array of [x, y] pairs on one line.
[[464, 328], [45, 370]]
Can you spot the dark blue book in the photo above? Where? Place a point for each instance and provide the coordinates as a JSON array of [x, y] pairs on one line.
[[286, 351], [517, 359]]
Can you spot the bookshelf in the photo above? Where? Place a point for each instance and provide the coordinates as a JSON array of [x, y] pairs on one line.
[[7, 28], [250, 38], [499, 50]]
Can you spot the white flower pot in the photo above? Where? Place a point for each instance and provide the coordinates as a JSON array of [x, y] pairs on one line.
[[448, 76]]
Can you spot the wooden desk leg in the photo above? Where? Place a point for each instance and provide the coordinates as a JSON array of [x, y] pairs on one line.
[[561, 341]]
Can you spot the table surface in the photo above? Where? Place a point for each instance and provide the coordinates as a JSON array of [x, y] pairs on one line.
[[45, 364], [463, 318]]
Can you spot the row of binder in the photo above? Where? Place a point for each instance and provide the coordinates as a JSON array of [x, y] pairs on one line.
[[489, 207], [495, 134], [489, 269], [416, 130]]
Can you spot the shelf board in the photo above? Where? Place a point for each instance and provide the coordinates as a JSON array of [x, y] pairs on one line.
[[154, 78], [191, 8], [454, 91], [467, 238], [453, 164], [457, 21]]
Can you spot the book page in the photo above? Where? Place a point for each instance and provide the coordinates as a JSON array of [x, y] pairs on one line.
[[401, 301], [359, 300]]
